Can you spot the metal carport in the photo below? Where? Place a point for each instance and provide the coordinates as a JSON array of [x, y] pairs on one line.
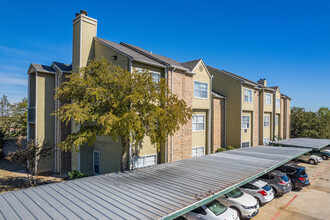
[[162, 191], [312, 143]]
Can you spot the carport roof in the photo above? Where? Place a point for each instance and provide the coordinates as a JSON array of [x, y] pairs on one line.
[[162, 191], [311, 143]]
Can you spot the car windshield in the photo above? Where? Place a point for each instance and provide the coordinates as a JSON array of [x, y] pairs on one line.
[[302, 172], [216, 207], [267, 187], [236, 193], [284, 178]]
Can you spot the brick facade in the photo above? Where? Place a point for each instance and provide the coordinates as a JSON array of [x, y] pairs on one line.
[[182, 139], [256, 118], [216, 124]]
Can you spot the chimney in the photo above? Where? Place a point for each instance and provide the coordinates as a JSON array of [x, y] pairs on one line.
[[84, 31], [263, 82]]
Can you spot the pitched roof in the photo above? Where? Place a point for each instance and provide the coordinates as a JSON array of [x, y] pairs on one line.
[[128, 52], [64, 67], [43, 68], [234, 76], [191, 64], [159, 58]]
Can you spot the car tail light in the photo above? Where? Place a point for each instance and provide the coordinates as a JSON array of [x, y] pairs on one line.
[[302, 178], [263, 193], [282, 183]]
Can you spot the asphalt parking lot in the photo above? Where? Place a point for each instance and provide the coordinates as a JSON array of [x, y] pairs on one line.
[[312, 202]]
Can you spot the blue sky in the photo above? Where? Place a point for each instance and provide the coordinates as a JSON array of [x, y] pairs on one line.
[[286, 42]]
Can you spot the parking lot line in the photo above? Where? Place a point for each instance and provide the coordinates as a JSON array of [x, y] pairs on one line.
[[286, 205]]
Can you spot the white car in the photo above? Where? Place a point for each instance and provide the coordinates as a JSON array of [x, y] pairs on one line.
[[245, 204], [259, 190], [212, 211], [309, 158]]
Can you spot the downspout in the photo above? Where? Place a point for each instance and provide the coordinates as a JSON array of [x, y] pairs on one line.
[[130, 154], [172, 93], [166, 144], [240, 126], [225, 122], [210, 119]]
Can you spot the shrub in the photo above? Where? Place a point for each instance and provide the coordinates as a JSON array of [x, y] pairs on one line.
[[76, 175]]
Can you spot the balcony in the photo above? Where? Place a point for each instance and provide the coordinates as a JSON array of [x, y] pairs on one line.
[[31, 115]]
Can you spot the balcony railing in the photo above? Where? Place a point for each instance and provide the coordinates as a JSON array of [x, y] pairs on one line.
[[31, 114]]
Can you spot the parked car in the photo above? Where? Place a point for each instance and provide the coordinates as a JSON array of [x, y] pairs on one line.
[[259, 190], [245, 204], [212, 211], [279, 181], [309, 158], [296, 173], [323, 153]]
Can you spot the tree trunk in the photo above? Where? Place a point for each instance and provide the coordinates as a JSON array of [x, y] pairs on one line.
[[124, 155]]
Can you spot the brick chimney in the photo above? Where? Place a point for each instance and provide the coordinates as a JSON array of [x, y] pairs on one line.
[[263, 82], [84, 30]]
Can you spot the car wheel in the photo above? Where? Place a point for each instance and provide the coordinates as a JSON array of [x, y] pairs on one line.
[[275, 191], [324, 157], [258, 201], [238, 211], [311, 161]]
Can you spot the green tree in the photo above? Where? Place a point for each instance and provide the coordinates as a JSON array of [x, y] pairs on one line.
[[310, 124], [18, 117], [4, 113], [107, 100]]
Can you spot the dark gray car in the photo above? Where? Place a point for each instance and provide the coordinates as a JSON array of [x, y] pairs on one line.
[[279, 181]]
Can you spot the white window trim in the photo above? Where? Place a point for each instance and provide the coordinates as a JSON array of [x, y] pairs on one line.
[[96, 151], [266, 99], [245, 142], [145, 156], [196, 148], [279, 103], [249, 121], [203, 125], [206, 93], [251, 95], [268, 121]]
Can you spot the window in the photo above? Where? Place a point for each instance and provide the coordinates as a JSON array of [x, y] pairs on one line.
[[144, 161], [268, 99], [96, 162], [276, 120], [200, 90], [266, 121], [278, 103], [266, 141], [247, 95], [197, 152], [198, 123], [245, 122], [156, 77], [245, 144]]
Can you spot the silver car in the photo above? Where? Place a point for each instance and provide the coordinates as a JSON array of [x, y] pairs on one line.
[[309, 158], [259, 190], [279, 181]]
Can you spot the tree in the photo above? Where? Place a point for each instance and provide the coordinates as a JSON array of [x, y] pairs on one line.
[[18, 117], [4, 113], [107, 100], [310, 124], [28, 155]]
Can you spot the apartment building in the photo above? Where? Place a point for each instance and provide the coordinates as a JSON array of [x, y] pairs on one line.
[[190, 81], [255, 113]]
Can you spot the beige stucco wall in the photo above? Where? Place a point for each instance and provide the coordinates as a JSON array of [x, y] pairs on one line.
[[199, 138], [45, 124], [232, 90], [201, 75], [147, 148], [277, 127], [102, 51], [248, 106], [277, 96], [136, 65], [247, 133]]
